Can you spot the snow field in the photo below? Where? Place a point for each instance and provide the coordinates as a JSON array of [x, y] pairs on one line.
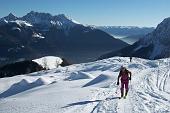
[[90, 88]]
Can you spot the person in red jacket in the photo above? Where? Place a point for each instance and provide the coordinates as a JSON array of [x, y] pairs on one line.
[[124, 77]]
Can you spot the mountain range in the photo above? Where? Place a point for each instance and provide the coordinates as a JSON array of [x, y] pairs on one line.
[[126, 30], [41, 34], [154, 45], [128, 34]]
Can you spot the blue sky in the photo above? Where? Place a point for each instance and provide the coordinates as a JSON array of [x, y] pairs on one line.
[[95, 12]]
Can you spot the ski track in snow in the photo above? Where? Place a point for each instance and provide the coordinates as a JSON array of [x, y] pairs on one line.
[[148, 90]]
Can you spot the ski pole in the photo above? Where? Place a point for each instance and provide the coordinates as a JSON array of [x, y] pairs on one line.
[[117, 89]]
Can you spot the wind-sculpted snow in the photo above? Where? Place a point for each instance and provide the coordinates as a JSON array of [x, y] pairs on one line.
[[90, 88], [102, 80], [79, 75], [23, 85]]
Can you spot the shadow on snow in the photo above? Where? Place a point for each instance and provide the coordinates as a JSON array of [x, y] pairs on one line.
[[87, 102]]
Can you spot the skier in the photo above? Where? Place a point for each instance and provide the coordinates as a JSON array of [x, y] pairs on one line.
[[124, 76], [130, 59]]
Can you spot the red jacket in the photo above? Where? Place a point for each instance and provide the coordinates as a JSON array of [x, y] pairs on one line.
[[124, 75]]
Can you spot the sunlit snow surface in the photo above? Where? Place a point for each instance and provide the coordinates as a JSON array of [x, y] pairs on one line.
[[50, 61], [20, 23], [89, 88]]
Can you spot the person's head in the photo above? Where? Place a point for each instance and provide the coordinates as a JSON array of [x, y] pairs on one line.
[[123, 68]]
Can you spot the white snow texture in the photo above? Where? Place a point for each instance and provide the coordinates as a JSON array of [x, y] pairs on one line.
[[89, 88]]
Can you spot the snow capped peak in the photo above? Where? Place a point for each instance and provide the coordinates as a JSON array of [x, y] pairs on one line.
[[62, 16], [65, 20], [167, 19], [37, 18], [156, 42], [164, 26], [33, 13], [46, 20], [10, 17], [161, 34]]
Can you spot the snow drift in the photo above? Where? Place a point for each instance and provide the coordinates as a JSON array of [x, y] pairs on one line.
[[103, 80], [22, 86], [79, 75]]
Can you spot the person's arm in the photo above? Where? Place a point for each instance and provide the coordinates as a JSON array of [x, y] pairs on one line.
[[118, 78], [130, 74]]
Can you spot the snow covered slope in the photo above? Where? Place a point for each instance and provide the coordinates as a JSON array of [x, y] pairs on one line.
[[50, 61], [89, 88]]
